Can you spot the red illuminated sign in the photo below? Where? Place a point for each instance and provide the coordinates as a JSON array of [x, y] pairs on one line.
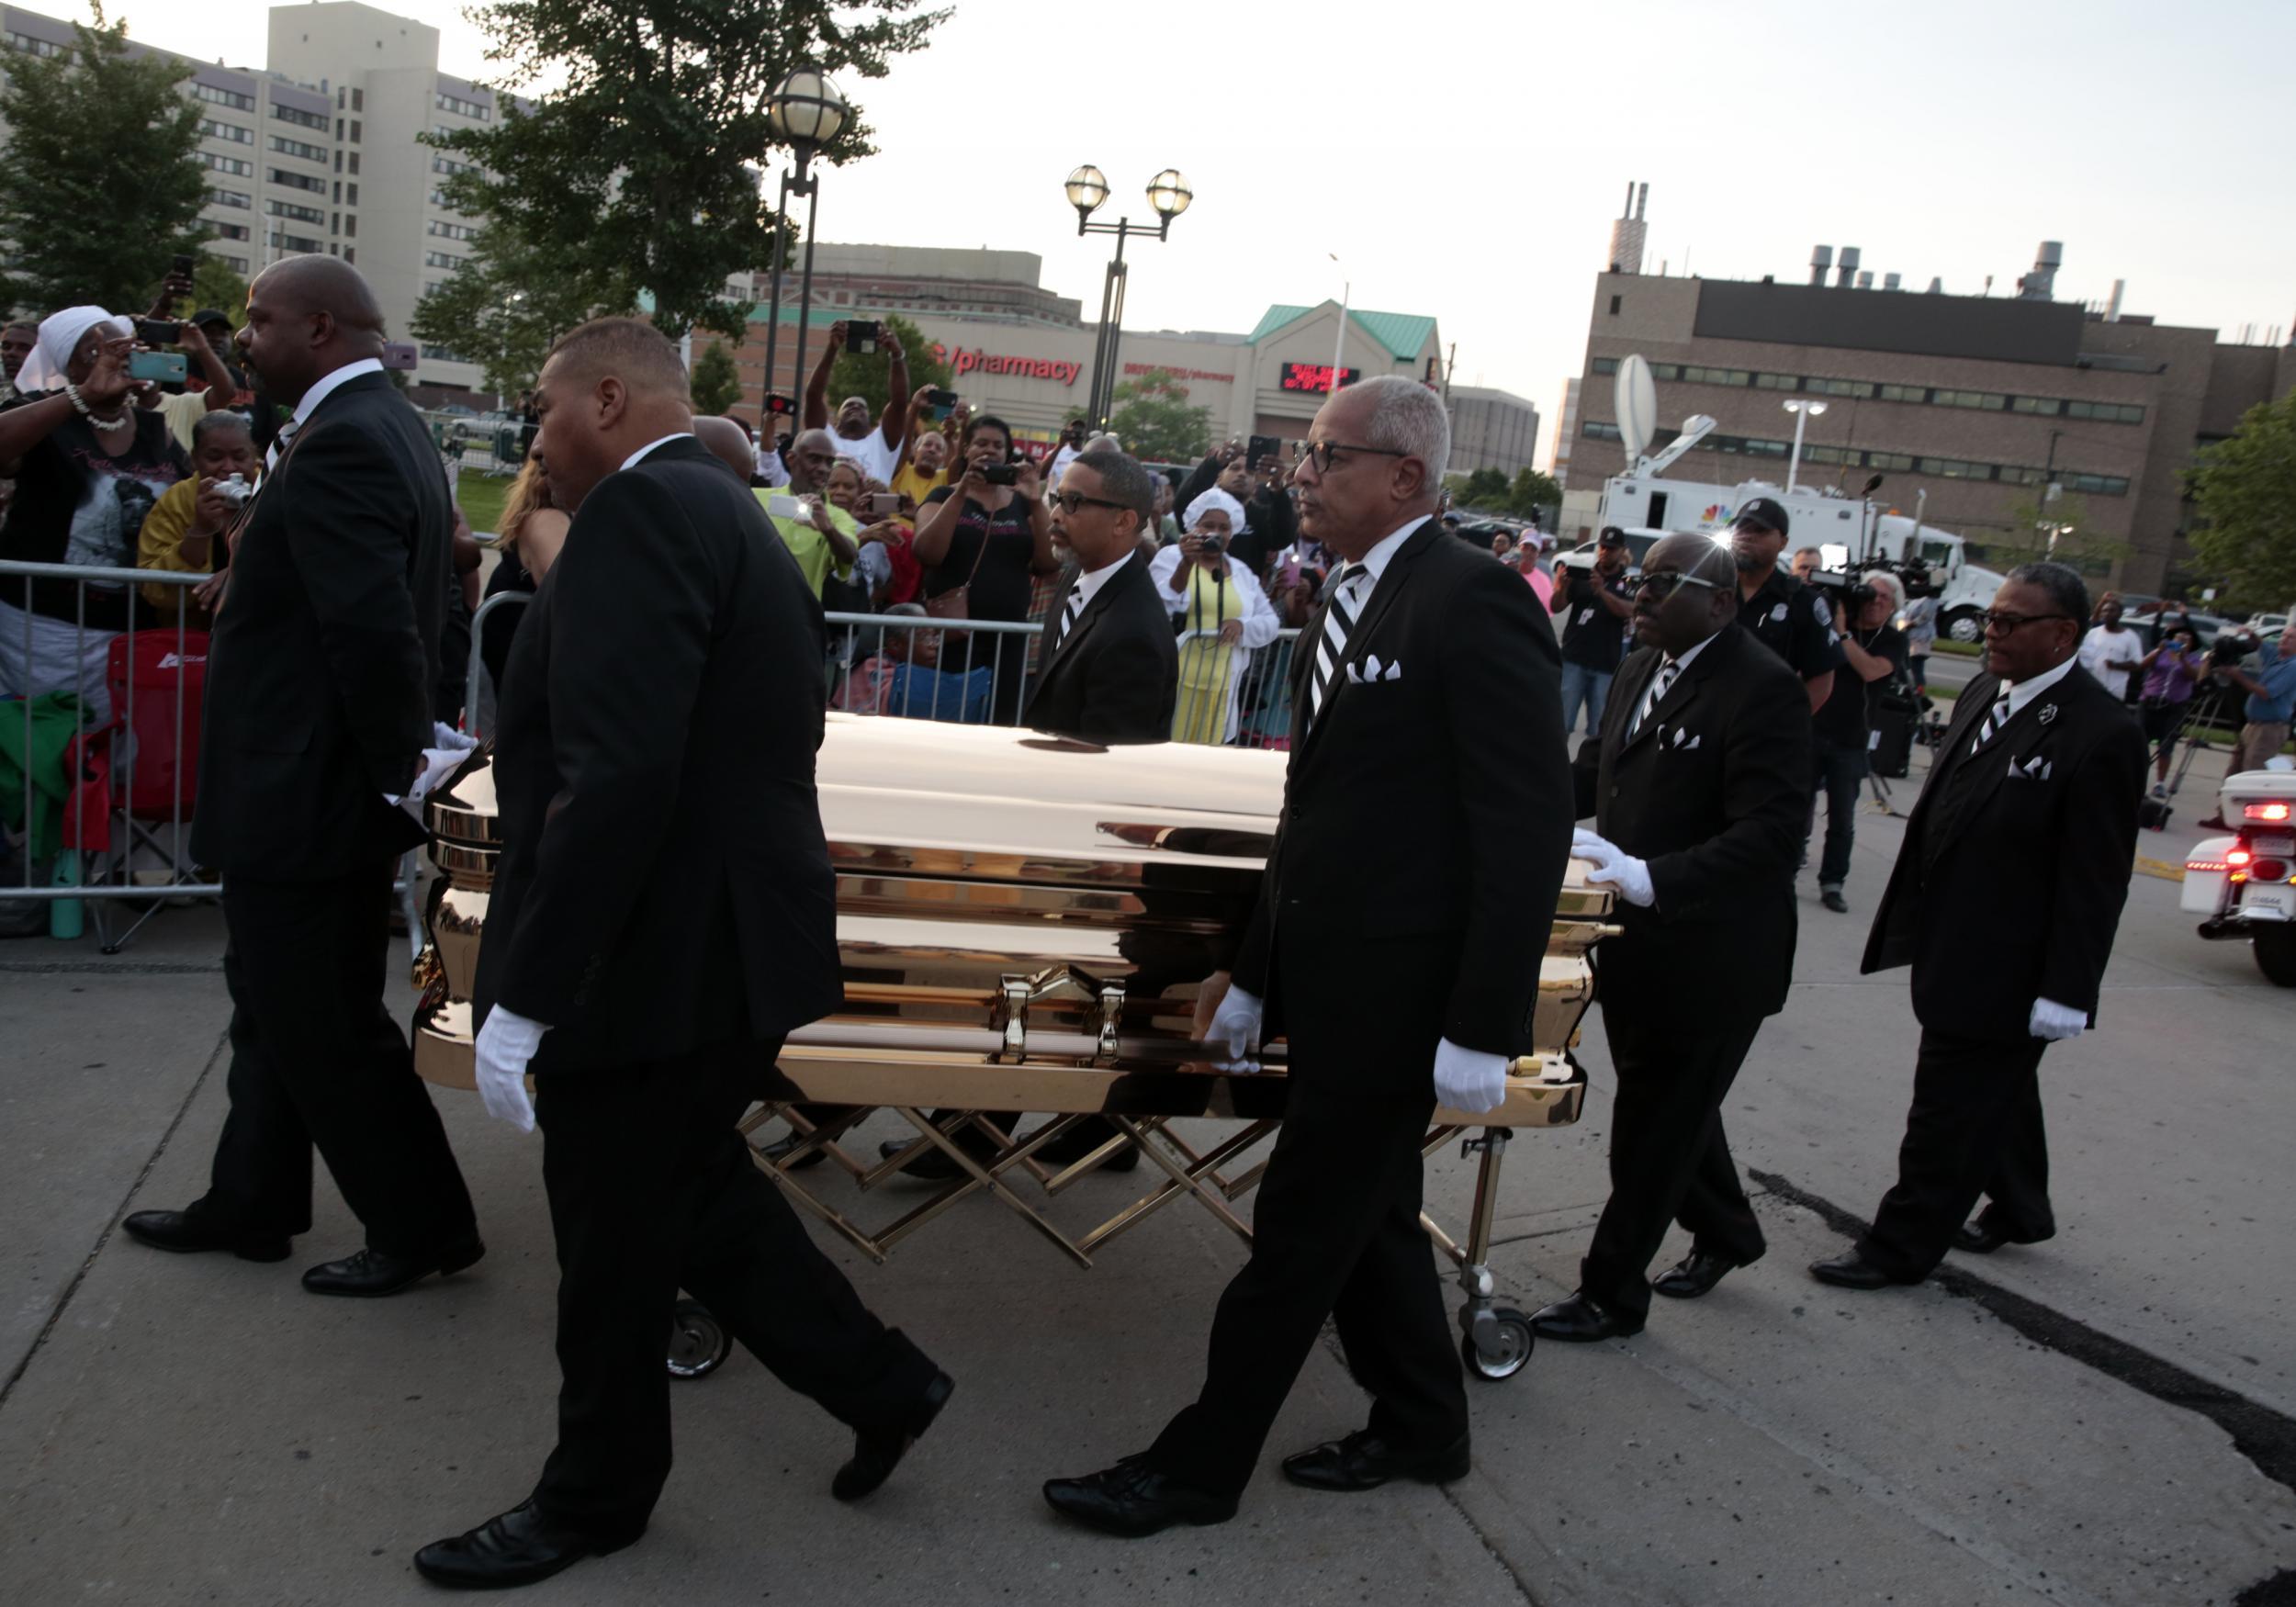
[[1317, 376]]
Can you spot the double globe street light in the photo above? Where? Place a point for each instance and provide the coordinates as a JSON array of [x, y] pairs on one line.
[[1803, 409], [807, 112], [1169, 196]]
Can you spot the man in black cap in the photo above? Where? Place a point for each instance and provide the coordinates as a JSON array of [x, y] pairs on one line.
[[1594, 605], [1786, 616]]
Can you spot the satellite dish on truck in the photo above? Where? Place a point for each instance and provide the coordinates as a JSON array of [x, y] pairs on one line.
[[1637, 404], [1695, 429]]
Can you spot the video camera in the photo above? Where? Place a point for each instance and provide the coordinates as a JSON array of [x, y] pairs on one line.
[[1849, 586], [1580, 559]]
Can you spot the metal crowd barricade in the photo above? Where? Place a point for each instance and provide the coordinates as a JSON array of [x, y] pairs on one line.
[[112, 747]]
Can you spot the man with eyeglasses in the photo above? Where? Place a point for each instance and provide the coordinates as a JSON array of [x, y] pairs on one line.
[[1396, 942], [1696, 783], [1109, 671], [2004, 900], [1786, 616]]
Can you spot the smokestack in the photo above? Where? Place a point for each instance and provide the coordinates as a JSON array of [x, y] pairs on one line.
[[2041, 285], [1889, 282], [1865, 280], [2112, 307], [1846, 271], [1641, 202], [1820, 259], [1629, 233], [1937, 285]]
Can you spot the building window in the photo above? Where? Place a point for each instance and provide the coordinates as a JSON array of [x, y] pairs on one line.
[[2046, 407], [1605, 365], [1596, 430], [340, 126], [335, 224], [309, 152], [230, 231], [2105, 412], [354, 164], [358, 100], [350, 226], [1695, 374], [43, 48], [309, 183], [441, 354], [1983, 400], [464, 109], [230, 97], [237, 264], [1862, 389], [2103, 485], [1776, 382], [289, 210], [237, 134], [299, 118], [338, 161], [343, 98], [230, 198], [453, 230], [1899, 461], [1954, 468], [1614, 306], [448, 165], [350, 253], [355, 194], [439, 259], [302, 243], [354, 131], [230, 165]]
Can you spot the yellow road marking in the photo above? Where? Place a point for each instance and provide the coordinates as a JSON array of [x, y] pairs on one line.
[[2159, 868]]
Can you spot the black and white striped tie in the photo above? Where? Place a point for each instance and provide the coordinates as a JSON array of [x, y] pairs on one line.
[[1995, 718], [279, 443], [1658, 683], [1338, 620], [1068, 616]]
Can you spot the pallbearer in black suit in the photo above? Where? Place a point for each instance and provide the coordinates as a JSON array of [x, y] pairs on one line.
[[1110, 672], [2004, 900], [317, 719], [1396, 942], [664, 915], [1697, 782]]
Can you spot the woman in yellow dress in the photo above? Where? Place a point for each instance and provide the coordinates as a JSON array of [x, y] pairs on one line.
[[1223, 614]]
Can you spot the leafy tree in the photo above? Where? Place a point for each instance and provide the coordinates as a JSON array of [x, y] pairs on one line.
[[715, 381], [502, 311], [2245, 491], [102, 188], [870, 376], [639, 175], [1485, 489], [1154, 420], [1534, 492], [214, 285], [2031, 521]]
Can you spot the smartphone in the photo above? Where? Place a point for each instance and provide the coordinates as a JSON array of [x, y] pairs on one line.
[[179, 265], [778, 405], [1001, 474], [885, 504], [1262, 446], [785, 507], [159, 331], [941, 402], [400, 354], [861, 335], [164, 366]]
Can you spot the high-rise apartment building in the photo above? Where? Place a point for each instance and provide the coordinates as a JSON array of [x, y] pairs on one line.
[[316, 152]]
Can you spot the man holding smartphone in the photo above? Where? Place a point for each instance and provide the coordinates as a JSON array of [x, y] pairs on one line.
[[874, 449]]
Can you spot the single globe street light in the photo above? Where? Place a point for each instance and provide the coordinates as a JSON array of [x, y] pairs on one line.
[[1087, 187], [1168, 193], [807, 109]]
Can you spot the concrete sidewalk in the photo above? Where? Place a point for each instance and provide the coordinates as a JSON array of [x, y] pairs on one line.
[[196, 1429]]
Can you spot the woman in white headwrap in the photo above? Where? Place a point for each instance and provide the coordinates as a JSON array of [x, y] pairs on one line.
[[1223, 616], [88, 464]]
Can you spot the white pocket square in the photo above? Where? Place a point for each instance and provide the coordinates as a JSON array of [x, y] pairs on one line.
[[1370, 667], [1394, 671], [1354, 675], [1683, 740], [2035, 769]]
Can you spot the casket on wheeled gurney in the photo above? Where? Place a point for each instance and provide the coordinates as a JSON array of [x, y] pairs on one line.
[[1025, 922]]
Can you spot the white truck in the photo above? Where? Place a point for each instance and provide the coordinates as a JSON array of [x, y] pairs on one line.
[[1645, 504]]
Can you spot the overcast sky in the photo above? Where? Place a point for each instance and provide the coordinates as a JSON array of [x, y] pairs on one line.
[[1465, 160]]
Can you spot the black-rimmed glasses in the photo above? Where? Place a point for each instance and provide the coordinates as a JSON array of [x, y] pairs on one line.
[[2007, 623], [1320, 452], [1664, 584], [1069, 502]]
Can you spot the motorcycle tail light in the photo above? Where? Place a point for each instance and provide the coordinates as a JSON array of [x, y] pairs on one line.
[[2268, 870], [2276, 810], [2209, 867], [2237, 857]]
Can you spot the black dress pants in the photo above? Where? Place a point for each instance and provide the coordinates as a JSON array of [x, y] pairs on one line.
[[652, 1189], [1975, 1129], [1668, 1159], [316, 1060], [1335, 1233]]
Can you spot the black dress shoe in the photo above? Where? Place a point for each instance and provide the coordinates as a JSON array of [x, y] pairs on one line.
[[183, 1232], [519, 1547], [876, 1455], [1694, 1274], [1132, 1499], [1831, 898], [370, 1273], [778, 1150], [1982, 1238], [1583, 1319], [1362, 1462], [1851, 1270]]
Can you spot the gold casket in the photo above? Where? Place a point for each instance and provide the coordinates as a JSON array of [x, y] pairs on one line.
[[1025, 922]]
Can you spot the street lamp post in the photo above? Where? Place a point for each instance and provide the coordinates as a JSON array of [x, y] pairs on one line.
[[1803, 409], [807, 110], [1168, 194], [1339, 344]]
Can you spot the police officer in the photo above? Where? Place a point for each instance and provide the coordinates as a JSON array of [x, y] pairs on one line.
[[1786, 616]]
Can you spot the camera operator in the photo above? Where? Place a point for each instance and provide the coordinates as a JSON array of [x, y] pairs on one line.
[[1223, 613], [983, 539], [2110, 650], [823, 536], [1808, 561], [1596, 604], [2272, 694], [2172, 671], [1873, 651], [874, 448], [1780, 611], [1262, 486], [1917, 617]]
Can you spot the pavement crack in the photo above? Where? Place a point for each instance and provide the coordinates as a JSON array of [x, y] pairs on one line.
[[63, 1302]]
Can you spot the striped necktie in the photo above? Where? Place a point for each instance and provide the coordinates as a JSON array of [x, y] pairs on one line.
[[279, 443], [1996, 717], [1338, 620], [1068, 616], [1658, 683]]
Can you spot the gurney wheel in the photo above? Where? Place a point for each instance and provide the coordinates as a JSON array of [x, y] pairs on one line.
[[1512, 1340], [698, 1342]]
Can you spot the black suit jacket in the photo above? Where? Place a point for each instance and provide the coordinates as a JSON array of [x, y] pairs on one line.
[[2008, 888], [664, 884], [1714, 793], [323, 659], [1116, 676], [1428, 813]]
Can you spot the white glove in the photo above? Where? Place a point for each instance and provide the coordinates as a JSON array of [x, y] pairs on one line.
[[1614, 865], [2052, 1022], [438, 763], [446, 737], [1468, 1079], [1235, 1026], [506, 1043]]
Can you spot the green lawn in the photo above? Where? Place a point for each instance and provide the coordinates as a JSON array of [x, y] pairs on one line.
[[481, 497]]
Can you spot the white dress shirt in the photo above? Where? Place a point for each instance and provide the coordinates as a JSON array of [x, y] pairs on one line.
[[1087, 586], [643, 453], [1376, 560], [2024, 691], [328, 384]]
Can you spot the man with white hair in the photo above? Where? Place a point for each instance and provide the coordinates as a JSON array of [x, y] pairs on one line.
[[1873, 650], [1388, 946]]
